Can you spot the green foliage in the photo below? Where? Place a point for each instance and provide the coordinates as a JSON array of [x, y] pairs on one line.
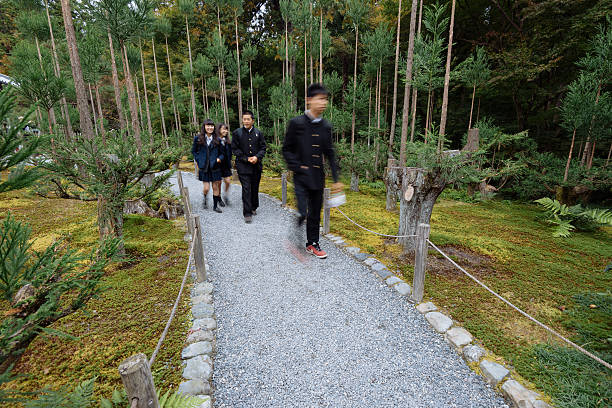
[[428, 68], [80, 397], [124, 18], [474, 71], [566, 219], [52, 284], [15, 149]]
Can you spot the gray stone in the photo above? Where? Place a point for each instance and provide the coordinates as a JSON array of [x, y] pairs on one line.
[[403, 288], [194, 387], [540, 404], [202, 299], [378, 266], [337, 239], [203, 288], [370, 261], [206, 323], [440, 322], [426, 307], [361, 256], [393, 280], [197, 349], [353, 250], [330, 236], [494, 373], [458, 337], [200, 335], [198, 368], [206, 404], [384, 273], [516, 392], [202, 310], [340, 242], [473, 354]]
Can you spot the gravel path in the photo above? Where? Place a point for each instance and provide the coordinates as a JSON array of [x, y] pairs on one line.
[[317, 333]]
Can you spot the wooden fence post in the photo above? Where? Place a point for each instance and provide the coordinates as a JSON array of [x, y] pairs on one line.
[[326, 211], [179, 178], [284, 186], [420, 262], [138, 381], [187, 204], [198, 249]]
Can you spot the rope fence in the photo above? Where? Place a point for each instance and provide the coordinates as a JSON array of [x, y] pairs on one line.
[[420, 249], [527, 315], [135, 371]]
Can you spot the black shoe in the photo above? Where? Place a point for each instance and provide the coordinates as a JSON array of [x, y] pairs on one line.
[[226, 199], [254, 212], [204, 203], [216, 201], [300, 220], [218, 210], [248, 219], [221, 203]]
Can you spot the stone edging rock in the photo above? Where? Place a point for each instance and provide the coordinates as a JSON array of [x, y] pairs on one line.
[[459, 338], [198, 355]]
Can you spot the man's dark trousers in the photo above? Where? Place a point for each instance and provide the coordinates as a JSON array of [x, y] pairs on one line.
[[250, 191], [309, 205]]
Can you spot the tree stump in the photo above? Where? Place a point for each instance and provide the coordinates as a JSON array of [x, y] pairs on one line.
[[393, 181], [138, 381], [420, 189], [354, 182]]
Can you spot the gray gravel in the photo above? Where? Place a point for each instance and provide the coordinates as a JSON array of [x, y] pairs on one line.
[[318, 333]]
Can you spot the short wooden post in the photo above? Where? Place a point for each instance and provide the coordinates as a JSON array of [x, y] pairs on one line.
[[420, 262], [198, 249], [284, 187], [187, 205], [326, 211], [138, 381], [179, 178]]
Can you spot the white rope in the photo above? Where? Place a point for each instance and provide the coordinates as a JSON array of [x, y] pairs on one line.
[[593, 356], [373, 232], [176, 302]]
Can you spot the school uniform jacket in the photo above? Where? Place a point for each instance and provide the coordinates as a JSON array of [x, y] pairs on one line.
[[206, 156], [245, 144], [306, 142]]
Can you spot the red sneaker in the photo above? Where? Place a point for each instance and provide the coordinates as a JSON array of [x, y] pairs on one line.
[[316, 250]]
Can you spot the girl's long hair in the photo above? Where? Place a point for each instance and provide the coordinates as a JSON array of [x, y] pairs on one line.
[[228, 139], [202, 135]]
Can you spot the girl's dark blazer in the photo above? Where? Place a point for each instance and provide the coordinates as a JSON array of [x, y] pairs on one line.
[[227, 154], [206, 157]]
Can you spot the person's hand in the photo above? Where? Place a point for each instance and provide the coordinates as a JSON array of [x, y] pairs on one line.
[[337, 187], [252, 159], [218, 160]]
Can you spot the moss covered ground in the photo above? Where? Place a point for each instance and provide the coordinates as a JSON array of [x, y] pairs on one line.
[[509, 247], [130, 314]]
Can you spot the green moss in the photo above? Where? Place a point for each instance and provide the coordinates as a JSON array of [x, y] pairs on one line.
[[130, 314]]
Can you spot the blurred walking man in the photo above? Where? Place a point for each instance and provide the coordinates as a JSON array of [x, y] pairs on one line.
[[308, 139]]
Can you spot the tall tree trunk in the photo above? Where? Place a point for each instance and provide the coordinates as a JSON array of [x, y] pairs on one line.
[[131, 98], [58, 73], [394, 107], [159, 98], [176, 118], [77, 73], [407, 86], [194, 118], [141, 116], [116, 87], [251, 79], [257, 108], [447, 73], [144, 90], [50, 112], [286, 49], [378, 103], [305, 71], [93, 109], [590, 162], [609, 153], [370, 112], [427, 115], [588, 145], [354, 89], [310, 38], [206, 95], [472, 107], [569, 157], [414, 90], [321, 48], [100, 115], [239, 74]]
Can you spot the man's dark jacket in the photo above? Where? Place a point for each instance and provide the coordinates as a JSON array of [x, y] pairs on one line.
[[306, 142], [246, 144]]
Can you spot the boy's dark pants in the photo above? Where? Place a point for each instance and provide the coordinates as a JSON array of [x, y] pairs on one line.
[[309, 205], [250, 191]]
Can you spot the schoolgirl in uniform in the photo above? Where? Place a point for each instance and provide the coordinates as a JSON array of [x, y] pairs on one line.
[[208, 154], [226, 164]]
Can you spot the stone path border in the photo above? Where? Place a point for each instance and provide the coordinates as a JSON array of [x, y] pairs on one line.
[[458, 337], [198, 355]]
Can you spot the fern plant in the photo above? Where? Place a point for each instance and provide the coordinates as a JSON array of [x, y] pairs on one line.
[[569, 218]]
